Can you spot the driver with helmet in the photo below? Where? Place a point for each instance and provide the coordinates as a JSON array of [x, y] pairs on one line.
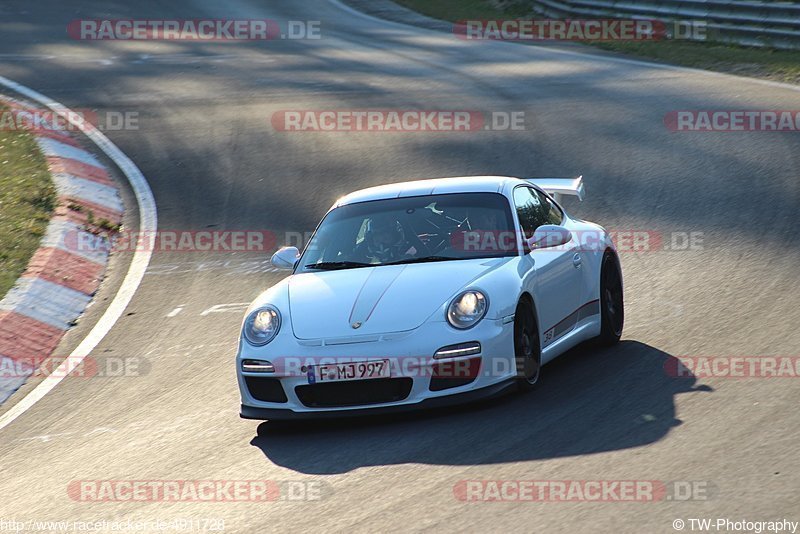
[[384, 241]]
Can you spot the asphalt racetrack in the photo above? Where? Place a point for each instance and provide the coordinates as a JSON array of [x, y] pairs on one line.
[[723, 280]]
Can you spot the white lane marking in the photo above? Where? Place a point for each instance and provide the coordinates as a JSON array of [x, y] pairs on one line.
[[44, 438], [233, 307], [176, 311], [582, 55], [229, 307], [148, 224]]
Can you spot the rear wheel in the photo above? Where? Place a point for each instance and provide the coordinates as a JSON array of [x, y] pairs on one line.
[[527, 351], [612, 309]]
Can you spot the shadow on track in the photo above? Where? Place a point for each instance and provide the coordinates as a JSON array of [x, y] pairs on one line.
[[588, 401]]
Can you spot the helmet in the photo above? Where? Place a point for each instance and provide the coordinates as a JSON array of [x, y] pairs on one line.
[[383, 237]]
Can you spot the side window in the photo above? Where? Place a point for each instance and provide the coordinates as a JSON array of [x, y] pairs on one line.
[[550, 209], [530, 210]]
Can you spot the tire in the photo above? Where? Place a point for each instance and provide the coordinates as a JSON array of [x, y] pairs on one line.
[[612, 306], [527, 350]]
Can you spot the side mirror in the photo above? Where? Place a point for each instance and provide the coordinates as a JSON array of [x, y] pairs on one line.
[[548, 236], [285, 258]]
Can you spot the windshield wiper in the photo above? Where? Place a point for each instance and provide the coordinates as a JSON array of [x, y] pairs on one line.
[[333, 265], [426, 259]]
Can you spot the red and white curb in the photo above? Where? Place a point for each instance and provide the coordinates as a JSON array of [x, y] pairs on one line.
[[60, 279], [148, 224]]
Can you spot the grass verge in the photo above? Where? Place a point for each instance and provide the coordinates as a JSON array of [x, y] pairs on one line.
[[765, 63], [27, 199]]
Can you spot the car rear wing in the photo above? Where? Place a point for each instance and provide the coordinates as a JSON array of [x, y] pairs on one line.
[[557, 187]]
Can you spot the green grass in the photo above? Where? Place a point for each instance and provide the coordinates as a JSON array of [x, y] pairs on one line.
[[27, 198], [779, 65]]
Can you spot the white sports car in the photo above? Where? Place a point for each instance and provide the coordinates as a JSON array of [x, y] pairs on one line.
[[428, 293]]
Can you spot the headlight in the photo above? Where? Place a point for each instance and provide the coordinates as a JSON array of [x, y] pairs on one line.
[[467, 309], [261, 326]]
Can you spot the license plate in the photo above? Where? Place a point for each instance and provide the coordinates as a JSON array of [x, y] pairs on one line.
[[337, 372]]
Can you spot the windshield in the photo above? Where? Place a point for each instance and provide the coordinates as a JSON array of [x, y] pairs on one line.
[[412, 230]]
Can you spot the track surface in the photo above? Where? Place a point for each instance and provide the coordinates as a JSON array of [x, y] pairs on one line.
[[213, 161]]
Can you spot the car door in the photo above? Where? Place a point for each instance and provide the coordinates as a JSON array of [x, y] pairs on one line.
[[556, 272]]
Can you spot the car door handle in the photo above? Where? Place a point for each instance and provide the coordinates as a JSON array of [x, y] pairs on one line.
[[576, 260]]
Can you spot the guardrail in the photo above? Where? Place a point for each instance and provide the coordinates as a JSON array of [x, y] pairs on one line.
[[768, 24]]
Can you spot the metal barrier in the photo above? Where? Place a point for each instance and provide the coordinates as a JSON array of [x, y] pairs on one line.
[[770, 24]]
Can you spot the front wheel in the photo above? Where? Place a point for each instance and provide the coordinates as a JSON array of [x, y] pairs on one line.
[[527, 351], [612, 308]]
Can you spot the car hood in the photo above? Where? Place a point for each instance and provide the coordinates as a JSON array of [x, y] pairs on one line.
[[382, 299]]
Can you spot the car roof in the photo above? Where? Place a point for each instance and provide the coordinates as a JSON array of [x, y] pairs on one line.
[[432, 186]]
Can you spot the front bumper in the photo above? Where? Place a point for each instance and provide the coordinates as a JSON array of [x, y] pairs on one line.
[[506, 386], [492, 377]]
